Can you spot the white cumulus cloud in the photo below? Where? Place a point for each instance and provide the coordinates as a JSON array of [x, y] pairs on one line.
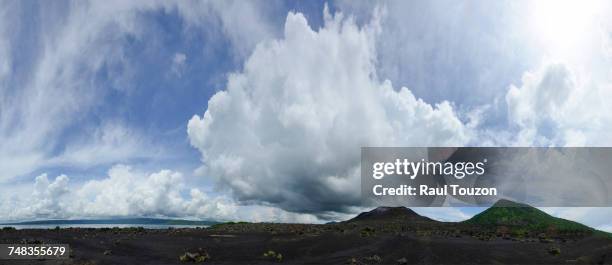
[[557, 106], [129, 192], [123, 192], [287, 129]]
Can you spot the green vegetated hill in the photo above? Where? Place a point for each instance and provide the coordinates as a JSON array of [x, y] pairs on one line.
[[521, 218]]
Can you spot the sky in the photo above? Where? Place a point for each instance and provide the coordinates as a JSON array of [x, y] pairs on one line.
[[234, 110]]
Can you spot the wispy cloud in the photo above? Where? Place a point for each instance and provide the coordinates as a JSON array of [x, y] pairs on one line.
[[60, 65], [178, 64]]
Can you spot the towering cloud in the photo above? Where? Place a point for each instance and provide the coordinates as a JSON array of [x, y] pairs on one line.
[[287, 129]]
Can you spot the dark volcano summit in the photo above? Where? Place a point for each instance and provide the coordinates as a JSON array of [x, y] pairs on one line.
[[390, 214]]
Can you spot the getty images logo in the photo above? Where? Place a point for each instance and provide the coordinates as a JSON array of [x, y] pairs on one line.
[[411, 169]]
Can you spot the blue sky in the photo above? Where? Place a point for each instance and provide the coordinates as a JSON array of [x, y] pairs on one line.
[[104, 103]]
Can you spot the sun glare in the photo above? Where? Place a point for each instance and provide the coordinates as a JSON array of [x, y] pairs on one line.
[[563, 26]]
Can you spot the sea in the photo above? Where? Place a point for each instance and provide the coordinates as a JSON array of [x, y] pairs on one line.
[[53, 226]]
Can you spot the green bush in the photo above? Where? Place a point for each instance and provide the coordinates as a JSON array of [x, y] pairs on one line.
[[554, 251], [273, 255]]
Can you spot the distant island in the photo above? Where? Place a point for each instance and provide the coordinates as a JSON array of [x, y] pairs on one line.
[[117, 221]]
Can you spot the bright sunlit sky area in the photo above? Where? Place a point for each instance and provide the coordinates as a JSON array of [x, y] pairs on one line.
[[256, 110]]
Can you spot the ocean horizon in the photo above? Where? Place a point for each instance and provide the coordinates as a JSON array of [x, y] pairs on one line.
[[145, 226]]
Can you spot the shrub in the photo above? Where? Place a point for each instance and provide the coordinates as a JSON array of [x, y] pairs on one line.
[[554, 251], [368, 231], [273, 255]]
